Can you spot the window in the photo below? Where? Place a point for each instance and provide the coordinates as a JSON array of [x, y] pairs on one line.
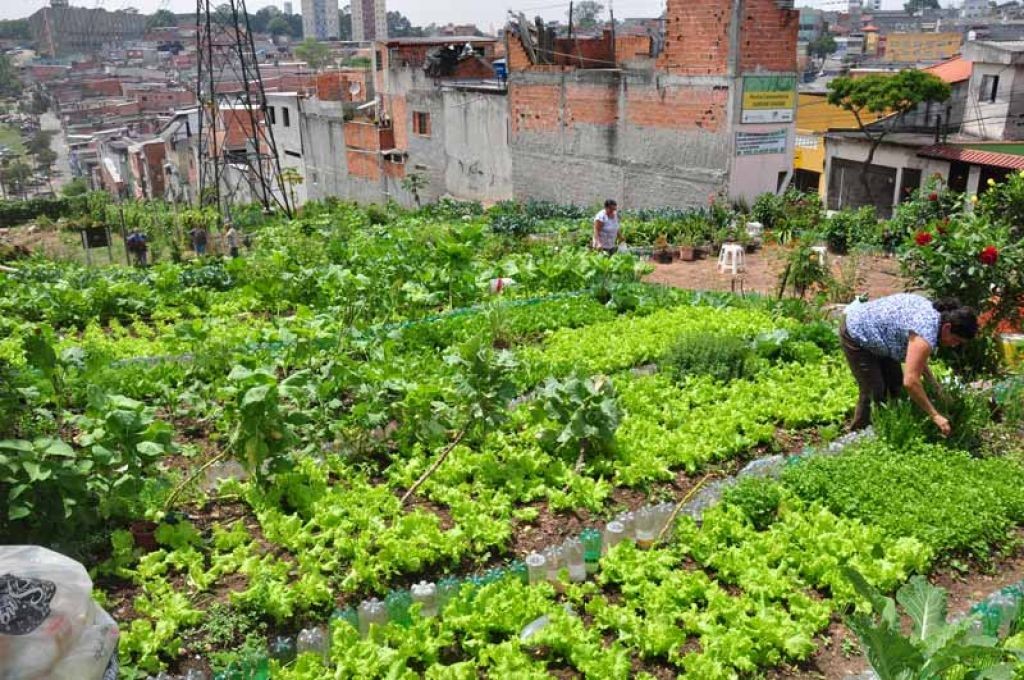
[[421, 123], [286, 116], [989, 88], [271, 115], [379, 58]]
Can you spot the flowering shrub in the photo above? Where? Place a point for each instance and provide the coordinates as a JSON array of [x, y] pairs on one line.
[[969, 257], [1004, 203], [933, 203]]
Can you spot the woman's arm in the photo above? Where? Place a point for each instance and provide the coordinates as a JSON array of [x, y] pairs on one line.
[[918, 352], [597, 234]]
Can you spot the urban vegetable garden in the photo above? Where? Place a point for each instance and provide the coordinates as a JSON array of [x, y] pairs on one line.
[[456, 443]]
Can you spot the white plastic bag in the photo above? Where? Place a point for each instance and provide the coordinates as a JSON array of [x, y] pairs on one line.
[[49, 625]]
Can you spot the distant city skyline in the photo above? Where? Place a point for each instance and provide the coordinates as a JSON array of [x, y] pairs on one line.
[[484, 15]]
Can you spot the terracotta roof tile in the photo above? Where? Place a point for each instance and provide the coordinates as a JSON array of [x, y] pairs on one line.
[[973, 156], [955, 70]]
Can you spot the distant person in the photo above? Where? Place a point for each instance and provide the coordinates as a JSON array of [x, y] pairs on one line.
[[199, 238], [606, 228], [234, 239], [138, 247]]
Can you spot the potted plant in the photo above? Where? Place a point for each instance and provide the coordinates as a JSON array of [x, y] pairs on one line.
[[662, 250], [687, 248]]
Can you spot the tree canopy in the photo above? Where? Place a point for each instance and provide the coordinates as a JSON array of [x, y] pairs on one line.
[[585, 15], [399, 26], [10, 85], [314, 53], [162, 17], [822, 46], [279, 26], [915, 6]]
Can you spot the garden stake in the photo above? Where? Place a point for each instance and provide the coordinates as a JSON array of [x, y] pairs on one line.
[[679, 506], [433, 468], [194, 476]]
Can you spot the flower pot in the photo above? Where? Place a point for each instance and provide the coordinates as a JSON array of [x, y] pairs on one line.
[[144, 534], [751, 248], [663, 256], [687, 253]]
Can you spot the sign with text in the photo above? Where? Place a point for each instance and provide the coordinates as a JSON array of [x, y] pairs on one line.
[[768, 99], [760, 143]]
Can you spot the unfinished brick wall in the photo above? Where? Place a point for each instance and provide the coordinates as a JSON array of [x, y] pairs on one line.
[[534, 108], [362, 136], [592, 104], [768, 37], [681, 108], [363, 164], [696, 37]]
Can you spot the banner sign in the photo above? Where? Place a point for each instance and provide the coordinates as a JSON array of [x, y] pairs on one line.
[[758, 143], [768, 99]]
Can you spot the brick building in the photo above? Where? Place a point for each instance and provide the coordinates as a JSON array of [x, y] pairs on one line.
[[712, 112], [61, 30]]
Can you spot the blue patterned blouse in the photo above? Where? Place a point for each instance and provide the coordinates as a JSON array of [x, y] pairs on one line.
[[883, 326]]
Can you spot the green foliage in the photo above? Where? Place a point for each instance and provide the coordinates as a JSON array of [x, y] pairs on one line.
[[889, 94], [758, 499], [804, 271], [579, 414], [950, 501], [316, 54], [935, 648], [846, 230], [721, 357]]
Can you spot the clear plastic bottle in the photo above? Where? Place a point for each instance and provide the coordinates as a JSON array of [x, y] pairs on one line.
[[628, 520], [282, 648], [646, 527], [574, 560], [517, 570], [664, 512], [614, 533], [553, 559], [591, 540], [425, 593], [313, 641], [536, 567], [372, 612]]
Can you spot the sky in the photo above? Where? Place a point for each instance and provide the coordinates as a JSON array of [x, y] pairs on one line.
[[483, 14]]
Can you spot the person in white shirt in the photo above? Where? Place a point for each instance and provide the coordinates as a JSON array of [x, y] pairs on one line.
[[606, 228]]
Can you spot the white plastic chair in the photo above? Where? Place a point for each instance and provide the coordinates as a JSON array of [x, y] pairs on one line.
[[822, 253], [732, 258]]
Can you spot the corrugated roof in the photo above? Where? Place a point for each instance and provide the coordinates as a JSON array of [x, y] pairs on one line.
[[955, 70], [973, 156]]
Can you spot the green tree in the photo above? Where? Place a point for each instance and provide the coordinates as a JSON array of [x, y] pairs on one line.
[[414, 183], [10, 86], [40, 142], [399, 26], [822, 46], [585, 15], [314, 53], [15, 29], [894, 95], [260, 22], [279, 26], [75, 187], [14, 178], [162, 17]]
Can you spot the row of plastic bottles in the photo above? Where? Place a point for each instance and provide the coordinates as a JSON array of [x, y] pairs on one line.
[[998, 614], [578, 555]]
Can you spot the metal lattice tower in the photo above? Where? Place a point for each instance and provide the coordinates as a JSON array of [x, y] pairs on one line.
[[237, 154]]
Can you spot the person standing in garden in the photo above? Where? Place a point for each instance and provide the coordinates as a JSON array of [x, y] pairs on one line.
[[878, 336], [606, 228], [234, 239], [199, 238], [137, 246]]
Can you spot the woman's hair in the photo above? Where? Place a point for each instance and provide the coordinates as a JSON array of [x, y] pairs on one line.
[[963, 321], [610, 203]]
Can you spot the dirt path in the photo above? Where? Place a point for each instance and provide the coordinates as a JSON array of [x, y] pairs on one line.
[[878, 275]]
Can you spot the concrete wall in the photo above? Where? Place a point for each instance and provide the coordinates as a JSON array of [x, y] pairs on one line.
[[1000, 119], [288, 139], [478, 163], [888, 156]]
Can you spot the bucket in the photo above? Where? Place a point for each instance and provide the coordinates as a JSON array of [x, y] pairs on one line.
[[1013, 350]]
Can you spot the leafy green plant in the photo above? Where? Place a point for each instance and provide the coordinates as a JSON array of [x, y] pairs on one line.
[[804, 271], [757, 498], [934, 649], [848, 229], [721, 357], [580, 415]]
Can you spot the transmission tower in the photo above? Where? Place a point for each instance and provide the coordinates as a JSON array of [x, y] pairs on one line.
[[237, 153]]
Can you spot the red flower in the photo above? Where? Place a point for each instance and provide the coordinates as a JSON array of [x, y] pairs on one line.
[[933, 196], [923, 238], [989, 255], [942, 227]]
